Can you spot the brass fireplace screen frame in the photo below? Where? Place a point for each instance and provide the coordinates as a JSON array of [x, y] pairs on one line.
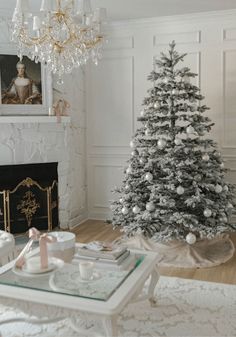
[[28, 205]]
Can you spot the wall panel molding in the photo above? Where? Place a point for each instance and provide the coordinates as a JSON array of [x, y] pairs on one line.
[[187, 37]]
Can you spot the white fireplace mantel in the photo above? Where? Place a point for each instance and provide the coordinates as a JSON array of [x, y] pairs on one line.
[[34, 119]]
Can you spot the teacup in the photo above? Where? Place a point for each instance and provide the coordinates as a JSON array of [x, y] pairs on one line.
[[86, 270]]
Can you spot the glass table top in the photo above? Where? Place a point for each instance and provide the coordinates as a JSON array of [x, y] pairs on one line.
[[66, 279]]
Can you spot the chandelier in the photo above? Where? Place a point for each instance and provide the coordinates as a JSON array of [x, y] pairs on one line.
[[63, 35]]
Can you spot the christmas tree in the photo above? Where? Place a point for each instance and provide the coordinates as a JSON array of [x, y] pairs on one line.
[[174, 186]]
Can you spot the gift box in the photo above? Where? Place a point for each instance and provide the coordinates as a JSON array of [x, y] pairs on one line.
[[64, 246]]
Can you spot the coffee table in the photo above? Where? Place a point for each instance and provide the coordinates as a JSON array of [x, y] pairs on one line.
[[89, 305]]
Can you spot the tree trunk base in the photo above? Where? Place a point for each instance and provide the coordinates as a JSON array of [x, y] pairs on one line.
[[203, 254]]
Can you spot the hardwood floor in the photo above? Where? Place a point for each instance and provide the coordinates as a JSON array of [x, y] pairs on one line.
[[225, 273]]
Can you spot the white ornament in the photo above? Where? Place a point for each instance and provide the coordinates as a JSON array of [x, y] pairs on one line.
[[230, 206], [121, 200], [126, 187], [178, 141], [175, 92], [142, 161], [147, 132], [166, 80], [136, 209], [156, 105], [161, 143], [180, 190], [222, 165], [218, 188], [186, 79], [150, 206], [142, 113], [207, 212], [191, 238], [125, 210], [226, 189], [205, 157], [129, 170], [190, 129], [148, 176], [134, 153], [132, 144]]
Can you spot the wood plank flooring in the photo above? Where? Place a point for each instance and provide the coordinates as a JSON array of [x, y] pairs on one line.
[[225, 273]]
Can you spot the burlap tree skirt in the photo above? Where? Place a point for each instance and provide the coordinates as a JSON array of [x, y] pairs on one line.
[[202, 254]]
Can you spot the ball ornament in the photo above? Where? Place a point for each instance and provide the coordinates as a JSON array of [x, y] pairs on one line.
[[148, 176], [207, 213], [136, 209], [161, 143], [175, 92], [156, 105], [205, 157], [150, 206], [180, 190], [191, 238], [125, 210], [218, 188], [190, 130], [178, 141]]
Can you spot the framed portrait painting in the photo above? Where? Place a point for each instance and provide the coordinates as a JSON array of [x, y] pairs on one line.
[[25, 86]]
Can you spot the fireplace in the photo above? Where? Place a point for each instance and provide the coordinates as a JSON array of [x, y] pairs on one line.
[[28, 197]]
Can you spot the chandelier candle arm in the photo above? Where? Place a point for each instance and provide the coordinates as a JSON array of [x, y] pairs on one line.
[[62, 38]]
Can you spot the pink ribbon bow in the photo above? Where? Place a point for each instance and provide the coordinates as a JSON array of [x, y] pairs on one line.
[[34, 234]]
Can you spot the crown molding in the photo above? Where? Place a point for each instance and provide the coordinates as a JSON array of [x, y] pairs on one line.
[[200, 17]]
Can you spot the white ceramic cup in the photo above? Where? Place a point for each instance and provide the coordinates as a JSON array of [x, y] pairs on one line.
[[86, 270]]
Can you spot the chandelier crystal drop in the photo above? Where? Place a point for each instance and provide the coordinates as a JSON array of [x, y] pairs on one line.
[[63, 35]]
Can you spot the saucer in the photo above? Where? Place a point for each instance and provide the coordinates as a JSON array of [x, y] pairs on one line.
[[96, 276], [53, 263]]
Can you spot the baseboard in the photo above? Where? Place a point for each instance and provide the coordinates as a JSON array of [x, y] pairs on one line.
[[78, 221]]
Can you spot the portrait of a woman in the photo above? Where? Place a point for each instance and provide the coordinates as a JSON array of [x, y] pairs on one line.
[[22, 88]]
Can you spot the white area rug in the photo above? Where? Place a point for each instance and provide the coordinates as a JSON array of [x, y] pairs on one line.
[[185, 308]]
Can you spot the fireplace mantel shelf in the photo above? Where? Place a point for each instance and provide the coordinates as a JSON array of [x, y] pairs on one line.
[[33, 119]]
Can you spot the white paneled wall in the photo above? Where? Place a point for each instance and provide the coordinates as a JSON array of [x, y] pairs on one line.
[[117, 86]]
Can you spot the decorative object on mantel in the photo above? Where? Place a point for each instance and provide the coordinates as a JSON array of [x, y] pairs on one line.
[[175, 177], [63, 36], [60, 108]]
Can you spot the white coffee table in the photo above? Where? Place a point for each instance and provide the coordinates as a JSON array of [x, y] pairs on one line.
[[98, 308]]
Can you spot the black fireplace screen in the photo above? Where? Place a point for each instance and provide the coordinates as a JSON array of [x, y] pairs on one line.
[[29, 197]]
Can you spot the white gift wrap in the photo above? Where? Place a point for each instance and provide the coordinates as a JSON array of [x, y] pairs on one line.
[[64, 247]]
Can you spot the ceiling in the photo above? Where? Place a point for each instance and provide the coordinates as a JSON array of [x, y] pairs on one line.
[[134, 9]]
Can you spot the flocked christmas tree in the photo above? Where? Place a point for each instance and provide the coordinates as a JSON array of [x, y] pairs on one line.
[[174, 186]]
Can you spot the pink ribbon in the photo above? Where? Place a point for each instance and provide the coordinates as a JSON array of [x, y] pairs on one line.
[[60, 109], [34, 234], [44, 239]]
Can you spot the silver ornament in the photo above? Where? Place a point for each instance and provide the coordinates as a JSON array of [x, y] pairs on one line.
[[156, 105], [136, 209], [148, 176], [147, 132], [207, 212], [132, 144], [134, 153], [125, 210], [191, 238], [175, 92], [190, 129], [129, 170], [142, 161], [226, 189], [161, 143], [230, 206], [166, 80], [218, 188], [178, 141], [180, 190], [222, 165], [142, 113], [150, 206], [121, 200], [205, 157], [127, 187]]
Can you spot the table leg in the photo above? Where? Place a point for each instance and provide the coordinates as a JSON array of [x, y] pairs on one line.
[[154, 279], [110, 326]]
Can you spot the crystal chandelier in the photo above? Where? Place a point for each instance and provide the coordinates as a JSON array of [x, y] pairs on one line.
[[63, 35]]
